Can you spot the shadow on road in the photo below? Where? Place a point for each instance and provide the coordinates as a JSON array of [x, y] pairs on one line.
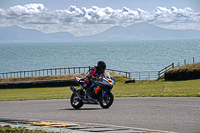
[[83, 109]]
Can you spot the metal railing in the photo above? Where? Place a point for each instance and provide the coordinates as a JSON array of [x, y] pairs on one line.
[[144, 75], [124, 73], [45, 72], [56, 71]]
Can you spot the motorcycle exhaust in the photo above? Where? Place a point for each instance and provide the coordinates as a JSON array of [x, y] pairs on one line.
[[74, 91]]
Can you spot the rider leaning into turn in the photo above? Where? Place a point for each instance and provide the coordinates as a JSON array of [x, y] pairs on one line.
[[95, 72]]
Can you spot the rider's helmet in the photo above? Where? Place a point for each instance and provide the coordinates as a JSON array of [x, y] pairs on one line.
[[101, 66]]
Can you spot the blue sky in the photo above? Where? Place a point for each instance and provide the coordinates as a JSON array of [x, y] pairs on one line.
[[87, 17]]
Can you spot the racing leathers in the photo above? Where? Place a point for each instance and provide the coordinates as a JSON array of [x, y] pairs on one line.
[[90, 86]]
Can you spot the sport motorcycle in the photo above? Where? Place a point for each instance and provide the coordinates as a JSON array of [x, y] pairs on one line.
[[102, 86]]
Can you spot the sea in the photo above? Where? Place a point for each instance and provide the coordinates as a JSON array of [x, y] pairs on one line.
[[131, 56]]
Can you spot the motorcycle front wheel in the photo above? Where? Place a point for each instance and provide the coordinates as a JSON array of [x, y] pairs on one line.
[[107, 100], [75, 102]]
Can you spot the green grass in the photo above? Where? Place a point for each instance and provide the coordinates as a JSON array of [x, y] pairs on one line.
[[9, 129], [160, 88], [34, 93]]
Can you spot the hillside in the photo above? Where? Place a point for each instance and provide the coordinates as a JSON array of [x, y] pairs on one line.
[[189, 71], [144, 31], [140, 31], [17, 34]]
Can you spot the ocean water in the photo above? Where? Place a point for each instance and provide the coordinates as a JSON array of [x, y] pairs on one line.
[[132, 56]]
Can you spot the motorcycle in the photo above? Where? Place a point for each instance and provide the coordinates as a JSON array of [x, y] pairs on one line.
[[101, 88]]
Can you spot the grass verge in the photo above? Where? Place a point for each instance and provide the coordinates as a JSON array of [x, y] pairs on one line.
[[9, 129], [160, 88]]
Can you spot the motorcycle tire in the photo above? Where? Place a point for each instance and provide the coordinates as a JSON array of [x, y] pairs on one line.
[[107, 100], [75, 102]]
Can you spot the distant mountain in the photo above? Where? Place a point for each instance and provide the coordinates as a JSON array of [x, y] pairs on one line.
[[17, 34], [140, 31], [143, 31]]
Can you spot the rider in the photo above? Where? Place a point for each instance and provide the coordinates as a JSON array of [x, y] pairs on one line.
[[95, 72]]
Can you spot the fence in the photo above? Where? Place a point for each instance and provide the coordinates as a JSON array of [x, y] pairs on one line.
[[55, 71], [45, 72], [124, 73], [145, 75], [161, 72], [185, 62]]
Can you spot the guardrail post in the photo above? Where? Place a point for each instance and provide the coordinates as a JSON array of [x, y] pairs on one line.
[[139, 76], [65, 70], [193, 60]]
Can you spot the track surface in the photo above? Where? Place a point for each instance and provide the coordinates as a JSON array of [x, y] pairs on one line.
[[168, 114]]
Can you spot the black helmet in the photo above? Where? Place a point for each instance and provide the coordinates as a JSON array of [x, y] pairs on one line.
[[101, 66]]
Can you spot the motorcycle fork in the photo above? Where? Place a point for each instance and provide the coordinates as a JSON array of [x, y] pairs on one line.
[[85, 95], [102, 94]]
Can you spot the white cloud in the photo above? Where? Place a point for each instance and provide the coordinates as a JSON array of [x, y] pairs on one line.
[[83, 21]]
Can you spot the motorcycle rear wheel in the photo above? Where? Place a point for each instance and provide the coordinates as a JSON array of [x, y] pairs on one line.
[[75, 102], [107, 100]]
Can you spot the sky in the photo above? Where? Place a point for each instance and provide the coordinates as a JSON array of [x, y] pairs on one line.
[[88, 17]]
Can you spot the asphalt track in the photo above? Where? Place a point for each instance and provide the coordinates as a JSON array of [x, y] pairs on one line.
[[176, 114]]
